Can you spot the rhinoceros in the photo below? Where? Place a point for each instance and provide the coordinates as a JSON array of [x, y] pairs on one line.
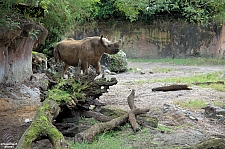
[[88, 51]]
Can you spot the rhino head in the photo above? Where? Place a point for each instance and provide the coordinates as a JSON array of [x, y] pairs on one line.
[[110, 47]]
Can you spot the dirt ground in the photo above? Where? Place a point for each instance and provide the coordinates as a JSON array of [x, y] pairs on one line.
[[186, 127]]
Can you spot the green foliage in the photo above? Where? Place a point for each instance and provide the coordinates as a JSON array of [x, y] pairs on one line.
[[67, 90]]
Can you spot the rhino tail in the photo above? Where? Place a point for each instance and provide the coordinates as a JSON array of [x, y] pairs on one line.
[[56, 55]]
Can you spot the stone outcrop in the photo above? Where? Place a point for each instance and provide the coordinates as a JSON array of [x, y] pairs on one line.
[[17, 39]]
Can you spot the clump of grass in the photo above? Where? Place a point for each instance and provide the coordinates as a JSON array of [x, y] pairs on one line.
[[192, 104], [184, 61], [109, 140]]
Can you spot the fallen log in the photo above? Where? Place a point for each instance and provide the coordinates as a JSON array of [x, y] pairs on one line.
[[173, 87], [89, 134]]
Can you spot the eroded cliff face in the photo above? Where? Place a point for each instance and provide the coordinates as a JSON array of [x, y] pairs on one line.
[[16, 44]]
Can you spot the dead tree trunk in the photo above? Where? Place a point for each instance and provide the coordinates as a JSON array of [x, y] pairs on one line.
[[42, 127]]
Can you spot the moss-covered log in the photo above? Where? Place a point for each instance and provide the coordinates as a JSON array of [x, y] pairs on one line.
[[42, 127]]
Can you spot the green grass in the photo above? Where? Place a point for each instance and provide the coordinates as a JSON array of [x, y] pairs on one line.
[[111, 139], [210, 77], [219, 103], [185, 61], [107, 140], [192, 104]]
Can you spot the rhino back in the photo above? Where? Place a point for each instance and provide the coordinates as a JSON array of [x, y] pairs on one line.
[[68, 50]]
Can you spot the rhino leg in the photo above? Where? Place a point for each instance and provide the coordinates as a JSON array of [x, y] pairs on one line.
[[97, 67], [84, 67], [65, 69]]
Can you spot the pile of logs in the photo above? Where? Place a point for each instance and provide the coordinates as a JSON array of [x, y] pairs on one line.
[[43, 125]]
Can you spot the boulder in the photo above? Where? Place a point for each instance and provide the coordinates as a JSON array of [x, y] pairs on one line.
[[116, 62]]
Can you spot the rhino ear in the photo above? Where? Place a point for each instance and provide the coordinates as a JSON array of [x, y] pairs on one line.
[[101, 39]]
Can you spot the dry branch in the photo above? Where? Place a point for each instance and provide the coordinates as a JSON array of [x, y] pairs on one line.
[[174, 87]]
